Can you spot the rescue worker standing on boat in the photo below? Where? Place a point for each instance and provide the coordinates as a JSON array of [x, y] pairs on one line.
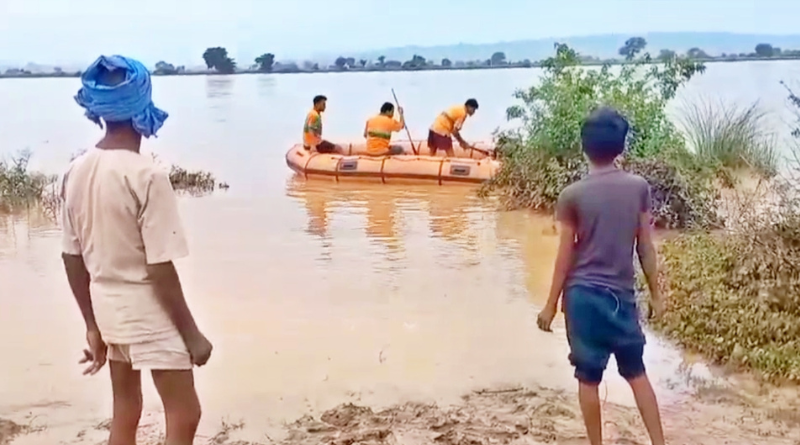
[[312, 129], [378, 131], [448, 126]]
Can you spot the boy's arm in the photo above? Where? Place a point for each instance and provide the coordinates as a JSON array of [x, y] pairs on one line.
[[565, 217], [646, 250], [366, 127], [566, 249], [648, 258], [164, 242]]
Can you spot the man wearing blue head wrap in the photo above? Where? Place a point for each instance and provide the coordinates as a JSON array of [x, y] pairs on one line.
[[122, 232], [117, 90]]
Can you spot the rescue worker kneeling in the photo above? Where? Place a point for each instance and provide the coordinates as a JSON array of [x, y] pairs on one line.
[[378, 131]]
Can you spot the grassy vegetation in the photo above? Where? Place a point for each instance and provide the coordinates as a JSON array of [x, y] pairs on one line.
[[731, 136], [22, 188]]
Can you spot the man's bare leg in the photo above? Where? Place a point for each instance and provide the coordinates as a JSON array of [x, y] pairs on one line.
[[648, 407], [589, 397], [126, 384], [181, 406], [449, 152]]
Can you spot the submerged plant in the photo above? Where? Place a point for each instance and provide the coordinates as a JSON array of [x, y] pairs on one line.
[[20, 187], [193, 182]]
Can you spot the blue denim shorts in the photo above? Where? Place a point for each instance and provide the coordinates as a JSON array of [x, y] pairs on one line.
[[601, 322]]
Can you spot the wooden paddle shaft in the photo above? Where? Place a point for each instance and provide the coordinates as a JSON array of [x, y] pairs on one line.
[[408, 132]]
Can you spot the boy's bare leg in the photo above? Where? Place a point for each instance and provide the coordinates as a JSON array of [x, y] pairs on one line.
[[589, 397], [126, 385], [648, 407], [181, 406]]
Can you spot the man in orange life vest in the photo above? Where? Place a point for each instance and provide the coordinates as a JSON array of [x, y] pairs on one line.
[[312, 129], [378, 131], [448, 126]]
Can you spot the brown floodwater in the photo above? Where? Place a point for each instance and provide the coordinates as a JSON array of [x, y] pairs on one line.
[[375, 294], [313, 293]]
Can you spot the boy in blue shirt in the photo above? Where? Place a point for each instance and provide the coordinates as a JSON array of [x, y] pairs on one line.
[[602, 218]]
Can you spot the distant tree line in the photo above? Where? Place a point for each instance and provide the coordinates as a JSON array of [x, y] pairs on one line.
[[636, 45], [218, 60]]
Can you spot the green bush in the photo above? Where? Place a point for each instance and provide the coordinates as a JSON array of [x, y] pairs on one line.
[[544, 155]]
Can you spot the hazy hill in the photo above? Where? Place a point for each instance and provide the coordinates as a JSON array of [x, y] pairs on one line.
[[713, 43], [604, 46]]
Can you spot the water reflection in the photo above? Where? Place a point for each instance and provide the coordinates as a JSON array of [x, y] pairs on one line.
[[265, 85], [448, 218], [533, 240], [18, 229], [390, 210], [219, 86], [219, 92]]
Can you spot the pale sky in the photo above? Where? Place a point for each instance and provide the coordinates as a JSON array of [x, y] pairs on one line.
[[76, 31]]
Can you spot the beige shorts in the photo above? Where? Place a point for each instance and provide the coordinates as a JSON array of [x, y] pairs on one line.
[[169, 354]]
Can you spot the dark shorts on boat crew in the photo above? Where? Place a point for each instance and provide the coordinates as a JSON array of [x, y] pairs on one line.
[[601, 322], [323, 147], [438, 142]]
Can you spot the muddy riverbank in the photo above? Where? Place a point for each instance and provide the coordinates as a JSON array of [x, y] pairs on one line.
[[512, 415]]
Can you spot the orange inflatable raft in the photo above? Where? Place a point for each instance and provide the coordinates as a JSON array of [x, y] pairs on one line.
[[468, 166]]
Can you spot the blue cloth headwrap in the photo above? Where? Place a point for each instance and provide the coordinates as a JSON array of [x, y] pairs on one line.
[[128, 100]]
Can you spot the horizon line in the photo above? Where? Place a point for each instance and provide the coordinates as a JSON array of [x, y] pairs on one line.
[[343, 53]]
